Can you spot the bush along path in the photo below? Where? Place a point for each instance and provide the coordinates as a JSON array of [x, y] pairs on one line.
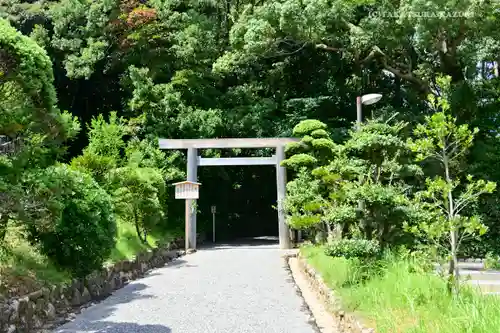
[[54, 305]]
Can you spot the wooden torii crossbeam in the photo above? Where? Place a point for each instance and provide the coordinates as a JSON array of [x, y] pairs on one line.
[[193, 161]]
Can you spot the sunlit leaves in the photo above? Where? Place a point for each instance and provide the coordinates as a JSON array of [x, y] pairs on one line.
[[106, 138], [320, 133], [449, 196], [82, 64], [298, 161], [307, 127], [29, 119], [138, 195], [441, 138], [303, 202], [323, 143], [310, 152]]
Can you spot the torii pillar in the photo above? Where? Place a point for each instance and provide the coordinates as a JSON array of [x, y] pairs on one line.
[[283, 231], [192, 175]]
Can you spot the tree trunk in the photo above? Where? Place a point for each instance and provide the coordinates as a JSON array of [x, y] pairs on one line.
[[138, 229], [345, 230], [368, 228], [321, 235], [453, 281], [453, 271], [4, 221]]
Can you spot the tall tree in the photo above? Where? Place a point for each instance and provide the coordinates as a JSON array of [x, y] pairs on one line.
[[32, 128]]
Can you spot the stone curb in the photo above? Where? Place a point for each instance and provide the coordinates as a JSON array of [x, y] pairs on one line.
[[305, 306], [54, 305], [347, 323]]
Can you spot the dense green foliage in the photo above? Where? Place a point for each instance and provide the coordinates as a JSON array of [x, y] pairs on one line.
[[369, 190], [361, 180], [31, 126], [132, 71], [353, 248], [83, 229], [139, 193]]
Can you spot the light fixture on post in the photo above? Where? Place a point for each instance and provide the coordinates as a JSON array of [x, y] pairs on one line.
[[370, 98], [367, 99]]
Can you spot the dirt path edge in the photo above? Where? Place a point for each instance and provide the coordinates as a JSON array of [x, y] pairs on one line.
[[324, 306]]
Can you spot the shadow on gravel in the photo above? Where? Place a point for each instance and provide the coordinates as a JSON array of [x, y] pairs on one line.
[[131, 292], [92, 318], [111, 327], [179, 263]]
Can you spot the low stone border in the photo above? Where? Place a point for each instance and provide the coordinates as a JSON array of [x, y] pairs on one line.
[[53, 305], [347, 323], [305, 307]]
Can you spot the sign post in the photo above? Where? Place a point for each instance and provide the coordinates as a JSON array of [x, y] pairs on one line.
[[187, 190], [214, 210]]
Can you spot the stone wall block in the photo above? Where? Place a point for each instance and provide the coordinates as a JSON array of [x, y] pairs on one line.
[[143, 267], [118, 267], [37, 322], [107, 288], [5, 313], [23, 305], [67, 291], [117, 281], [40, 306], [50, 312], [76, 300], [126, 265], [85, 296]]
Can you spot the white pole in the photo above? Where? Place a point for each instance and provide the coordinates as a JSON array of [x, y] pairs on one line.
[[192, 170], [186, 233], [213, 226], [283, 230]]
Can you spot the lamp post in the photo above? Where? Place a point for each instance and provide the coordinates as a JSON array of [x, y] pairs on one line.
[[367, 99]]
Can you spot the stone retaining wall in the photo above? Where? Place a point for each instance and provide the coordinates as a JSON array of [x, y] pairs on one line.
[[347, 323], [50, 306]]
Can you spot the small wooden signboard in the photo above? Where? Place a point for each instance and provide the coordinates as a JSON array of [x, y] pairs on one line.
[[187, 190]]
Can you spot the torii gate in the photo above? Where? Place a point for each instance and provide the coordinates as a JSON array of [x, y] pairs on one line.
[[193, 161]]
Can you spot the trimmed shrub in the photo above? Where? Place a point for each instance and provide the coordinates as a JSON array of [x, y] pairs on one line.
[[353, 248], [83, 227], [97, 166]]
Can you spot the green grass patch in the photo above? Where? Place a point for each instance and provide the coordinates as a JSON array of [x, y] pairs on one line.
[[398, 298], [128, 244], [22, 268]]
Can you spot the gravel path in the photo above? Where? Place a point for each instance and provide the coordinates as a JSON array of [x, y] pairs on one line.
[[228, 289]]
